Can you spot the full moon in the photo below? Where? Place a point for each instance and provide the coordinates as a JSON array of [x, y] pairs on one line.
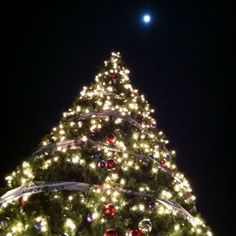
[[146, 18]]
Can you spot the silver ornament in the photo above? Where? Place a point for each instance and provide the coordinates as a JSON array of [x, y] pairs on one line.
[[145, 225]]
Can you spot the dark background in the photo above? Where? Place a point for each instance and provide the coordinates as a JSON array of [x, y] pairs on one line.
[[178, 62]]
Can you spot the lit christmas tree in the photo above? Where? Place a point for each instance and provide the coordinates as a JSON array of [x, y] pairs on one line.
[[104, 170]]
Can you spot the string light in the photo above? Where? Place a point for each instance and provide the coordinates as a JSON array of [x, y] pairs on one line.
[[103, 95], [70, 224]]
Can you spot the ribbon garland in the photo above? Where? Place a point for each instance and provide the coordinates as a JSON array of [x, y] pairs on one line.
[[130, 120], [73, 145], [33, 188], [116, 114], [38, 187]]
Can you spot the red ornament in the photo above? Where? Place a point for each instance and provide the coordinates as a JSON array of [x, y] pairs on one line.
[[110, 164], [109, 210], [23, 200], [163, 163], [110, 139], [135, 232], [113, 77], [110, 232]]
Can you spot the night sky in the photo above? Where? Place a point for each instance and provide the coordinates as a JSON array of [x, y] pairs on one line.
[[177, 62]]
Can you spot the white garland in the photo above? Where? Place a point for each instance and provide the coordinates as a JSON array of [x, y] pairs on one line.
[[72, 145], [35, 188], [114, 114]]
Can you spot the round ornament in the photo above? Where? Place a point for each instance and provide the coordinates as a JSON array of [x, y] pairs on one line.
[[93, 134], [135, 232], [113, 77], [98, 155], [23, 200], [145, 225], [110, 139], [163, 163], [102, 164], [110, 232], [38, 226], [110, 164], [90, 217], [151, 205], [109, 210]]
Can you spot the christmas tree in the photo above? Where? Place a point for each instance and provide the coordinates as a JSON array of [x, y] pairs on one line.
[[104, 170]]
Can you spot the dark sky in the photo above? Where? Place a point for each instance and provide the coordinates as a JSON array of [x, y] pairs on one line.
[[178, 62]]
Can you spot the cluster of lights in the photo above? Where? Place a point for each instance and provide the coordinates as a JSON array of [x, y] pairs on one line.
[[42, 222], [166, 194], [70, 225], [161, 210], [104, 96], [17, 228]]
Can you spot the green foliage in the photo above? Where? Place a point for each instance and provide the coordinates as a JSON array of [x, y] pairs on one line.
[[66, 211]]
